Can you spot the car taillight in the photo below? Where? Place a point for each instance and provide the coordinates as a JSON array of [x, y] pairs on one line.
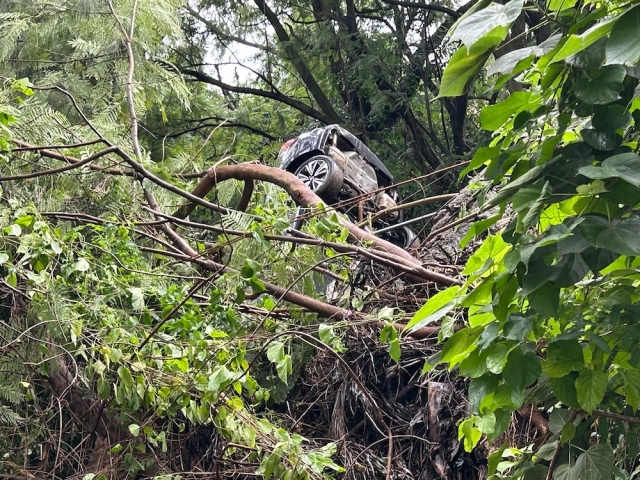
[[286, 145]]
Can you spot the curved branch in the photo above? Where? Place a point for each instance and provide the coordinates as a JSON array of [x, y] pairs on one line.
[[247, 191], [304, 196]]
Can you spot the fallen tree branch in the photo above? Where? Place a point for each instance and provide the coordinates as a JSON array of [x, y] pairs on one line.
[[321, 308], [304, 196], [378, 256], [405, 206]]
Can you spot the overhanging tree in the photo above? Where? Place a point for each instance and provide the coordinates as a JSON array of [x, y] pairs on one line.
[[550, 303]]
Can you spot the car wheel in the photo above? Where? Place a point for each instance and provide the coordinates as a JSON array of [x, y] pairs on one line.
[[322, 175]]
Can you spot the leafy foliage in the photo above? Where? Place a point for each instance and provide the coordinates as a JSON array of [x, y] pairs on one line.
[[552, 299]]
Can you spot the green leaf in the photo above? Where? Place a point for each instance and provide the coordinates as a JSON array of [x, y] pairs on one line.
[[461, 343], [3, 258], [13, 230], [590, 387], [390, 335], [394, 350], [563, 357], [474, 365], [436, 308], [577, 43], [275, 351], [493, 249], [250, 268], [477, 228], [623, 46], [137, 298], [125, 376], [486, 423], [537, 472], [472, 28], [620, 235], [625, 166], [25, 221], [604, 86], [494, 116], [479, 158], [545, 300], [564, 388], [82, 265], [596, 463], [522, 369], [495, 458], [568, 432], [497, 358], [558, 418], [599, 140], [547, 451], [326, 334], [611, 118], [470, 433], [559, 5], [465, 65], [284, 368], [479, 388], [632, 387], [134, 429], [509, 61]]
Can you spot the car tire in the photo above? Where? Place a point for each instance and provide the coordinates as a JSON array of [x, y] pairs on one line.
[[322, 175]]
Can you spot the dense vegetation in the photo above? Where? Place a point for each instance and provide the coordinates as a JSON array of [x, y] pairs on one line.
[[148, 330]]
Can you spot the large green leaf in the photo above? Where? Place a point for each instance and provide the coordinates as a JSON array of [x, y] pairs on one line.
[[577, 43], [603, 87], [564, 388], [632, 387], [538, 472], [620, 235], [436, 308], [563, 357], [596, 463], [480, 388], [474, 27], [599, 140], [465, 65], [460, 344], [625, 166], [624, 44], [507, 62], [590, 388], [494, 116], [611, 118], [522, 369]]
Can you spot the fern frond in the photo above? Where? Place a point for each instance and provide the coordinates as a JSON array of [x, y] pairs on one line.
[[236, 220], [9, 418], [10, 393]]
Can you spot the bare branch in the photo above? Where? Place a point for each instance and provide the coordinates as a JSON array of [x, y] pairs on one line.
[[424, 6]]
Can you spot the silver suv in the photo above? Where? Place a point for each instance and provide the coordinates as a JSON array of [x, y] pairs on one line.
[[345, 173]]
